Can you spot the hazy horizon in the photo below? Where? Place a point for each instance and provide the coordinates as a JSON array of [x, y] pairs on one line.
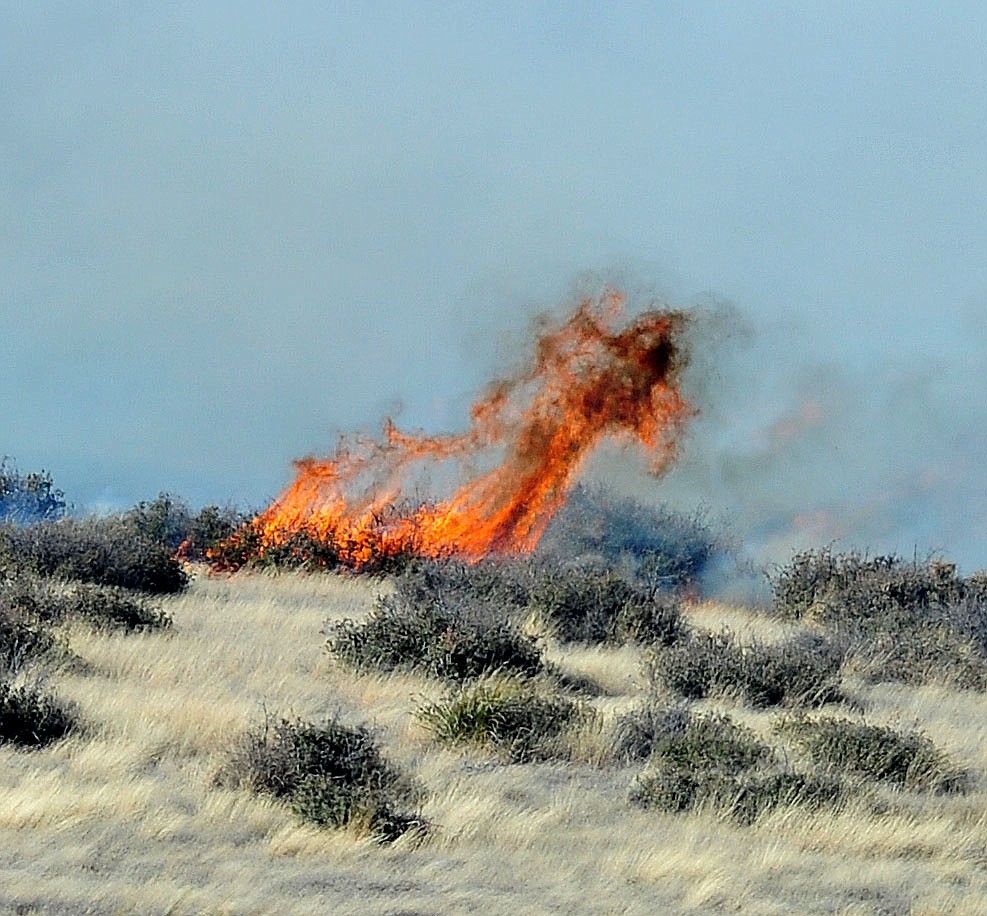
[[233, 234]]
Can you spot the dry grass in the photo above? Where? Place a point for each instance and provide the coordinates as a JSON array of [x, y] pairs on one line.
[[126, 817]]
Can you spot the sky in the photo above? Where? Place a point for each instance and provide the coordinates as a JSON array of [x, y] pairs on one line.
[[233, 232]]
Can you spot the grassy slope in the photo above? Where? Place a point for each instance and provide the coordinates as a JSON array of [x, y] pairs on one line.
[[126, 817]]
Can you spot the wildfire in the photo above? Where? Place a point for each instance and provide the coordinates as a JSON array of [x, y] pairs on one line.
[[586, 382]]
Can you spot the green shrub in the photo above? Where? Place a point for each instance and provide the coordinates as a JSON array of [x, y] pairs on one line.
[[501, 584], [330, 775], [106, 551], [447, 644], [24, 634], [743, 797], [37, 603], [513, 717], [705, 742], [170, 522], [30, 718], [907, 759], [803, 670]]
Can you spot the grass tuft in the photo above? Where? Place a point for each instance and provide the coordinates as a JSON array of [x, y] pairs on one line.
[[513, 717]]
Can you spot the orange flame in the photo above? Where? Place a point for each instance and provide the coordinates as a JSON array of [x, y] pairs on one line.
[[587, 382]]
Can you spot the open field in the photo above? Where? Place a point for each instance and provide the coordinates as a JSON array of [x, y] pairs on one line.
[[127, 817]]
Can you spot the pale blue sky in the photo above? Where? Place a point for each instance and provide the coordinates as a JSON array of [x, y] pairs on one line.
[[233, 231]]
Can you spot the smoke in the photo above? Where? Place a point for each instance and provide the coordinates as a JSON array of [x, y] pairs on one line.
[[804, 441]]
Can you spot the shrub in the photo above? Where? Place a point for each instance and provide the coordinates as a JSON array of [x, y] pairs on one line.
[[447, 644], [247, 546], [39, 602], [27, 498], [709, 762], [105, 551], [500, 584], [511, 716], [31, 718], [705, 742], [907, 759], [667, 548], [330, 775], [905, 621], [109, 607], [855, 590], [744, 797], [599, 606], [804, 670], [170, 522], [24, 634]]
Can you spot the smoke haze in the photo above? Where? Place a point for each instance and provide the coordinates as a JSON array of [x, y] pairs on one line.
[[232, 233]]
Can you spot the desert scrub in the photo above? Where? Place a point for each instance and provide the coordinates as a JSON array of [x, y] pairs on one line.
[[450, 644], [169, 521], [106, 551], [516, 718], [31, 718], [662, 547], [599, 606], [500, 583], [42, 602], [24, 635], [909, 621], [330, 775], [906, 759], [803, 670], [108, 607], [708, 762]]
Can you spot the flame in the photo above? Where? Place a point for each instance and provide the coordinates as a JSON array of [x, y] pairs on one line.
[[587, 382]]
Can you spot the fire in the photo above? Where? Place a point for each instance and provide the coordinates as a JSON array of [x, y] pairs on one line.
[[587, 381]]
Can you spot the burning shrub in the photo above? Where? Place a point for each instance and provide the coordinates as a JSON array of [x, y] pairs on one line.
[[30, 718], [169, 521], [514, 717], [447, 643], [330, 775], [905, 621], [587, 381], [104, 551], [708, 762], [909, 759], [804, 670]]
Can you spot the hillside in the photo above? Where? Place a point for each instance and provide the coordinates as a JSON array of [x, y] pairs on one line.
[[127, 816]]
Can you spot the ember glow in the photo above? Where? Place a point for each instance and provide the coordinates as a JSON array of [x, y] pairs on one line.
[[588, 381]]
